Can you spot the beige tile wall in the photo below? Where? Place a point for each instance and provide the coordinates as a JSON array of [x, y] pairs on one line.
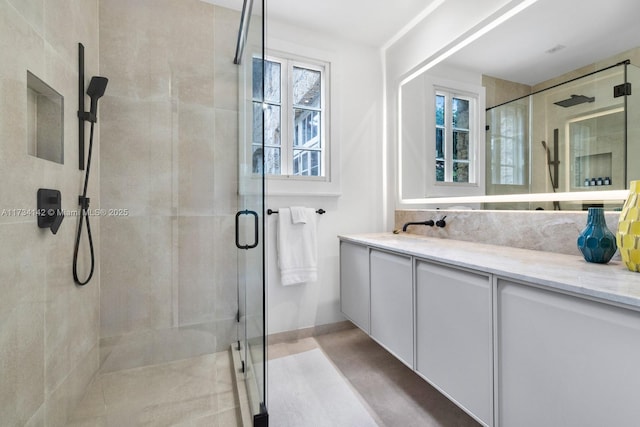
[[48, 326], [169, 156]]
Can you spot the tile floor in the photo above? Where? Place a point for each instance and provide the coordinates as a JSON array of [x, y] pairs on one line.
[[191, 392], [395, 394], [199, 391]]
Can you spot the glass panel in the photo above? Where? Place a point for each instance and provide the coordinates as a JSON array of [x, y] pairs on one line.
[[306, 128], [593, 166], [507, 140], [315, 163], [439, 110], [633, 130], [306, 163], [439, 143], [272, 161], [460, 113], [254, 121], [570, 137], [460, 145], [272, 122], [440, 170], [257, 120], [460, 172], [256, 78], [272, 79], [306, 87]]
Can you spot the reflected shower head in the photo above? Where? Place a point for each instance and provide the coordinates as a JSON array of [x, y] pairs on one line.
[[575, 100], [96, 89]]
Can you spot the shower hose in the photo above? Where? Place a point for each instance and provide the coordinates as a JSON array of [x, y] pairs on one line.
[[84, 215]]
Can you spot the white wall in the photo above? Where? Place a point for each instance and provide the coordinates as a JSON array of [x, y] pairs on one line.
[[356, 132], [361, 77]]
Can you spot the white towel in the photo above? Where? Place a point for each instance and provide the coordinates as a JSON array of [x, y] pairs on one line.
[[297, 248], [299, 214]]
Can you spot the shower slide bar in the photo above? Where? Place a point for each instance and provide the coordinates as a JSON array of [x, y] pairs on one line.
[[271, 211]]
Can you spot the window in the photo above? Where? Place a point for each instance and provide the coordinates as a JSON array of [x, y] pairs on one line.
[[508, 141], [455, 137], [294, 110]]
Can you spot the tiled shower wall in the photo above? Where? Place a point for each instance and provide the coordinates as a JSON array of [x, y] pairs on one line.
[[169, 169], [48, 326]]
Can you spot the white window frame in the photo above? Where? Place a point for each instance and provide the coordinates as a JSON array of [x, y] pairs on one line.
[[287, 63], [432, 84], [449, 94]]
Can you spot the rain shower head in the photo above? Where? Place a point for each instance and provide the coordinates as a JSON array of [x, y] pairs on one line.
[[575, 100]]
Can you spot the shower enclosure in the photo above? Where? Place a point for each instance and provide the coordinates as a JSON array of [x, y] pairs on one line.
[[579, 135], [251, 344], [175, 124]]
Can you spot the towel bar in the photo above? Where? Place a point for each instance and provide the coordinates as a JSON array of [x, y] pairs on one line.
[[271, 211]]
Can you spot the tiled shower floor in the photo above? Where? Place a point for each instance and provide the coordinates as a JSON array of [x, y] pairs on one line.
[[191, 392]]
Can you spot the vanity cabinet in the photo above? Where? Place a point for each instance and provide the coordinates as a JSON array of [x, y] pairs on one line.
[[515, 338], [564, 360], [454, 335], [392, 303], [354, 284]]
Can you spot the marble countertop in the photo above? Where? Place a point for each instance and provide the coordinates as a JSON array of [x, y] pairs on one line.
[[610, 283]]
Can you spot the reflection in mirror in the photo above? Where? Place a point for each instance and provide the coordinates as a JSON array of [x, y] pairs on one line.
[[539, 151], [568, 138]]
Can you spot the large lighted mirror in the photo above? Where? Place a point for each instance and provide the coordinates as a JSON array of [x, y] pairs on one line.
[[538, 113]]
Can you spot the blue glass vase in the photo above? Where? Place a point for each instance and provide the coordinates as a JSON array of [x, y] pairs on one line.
[[596, 242]]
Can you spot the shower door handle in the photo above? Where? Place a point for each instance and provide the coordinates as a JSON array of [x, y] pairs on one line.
[[255, 239]]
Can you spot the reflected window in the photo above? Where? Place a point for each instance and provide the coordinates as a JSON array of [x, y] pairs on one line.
[[454, 136], [294, 112], [508, 144]]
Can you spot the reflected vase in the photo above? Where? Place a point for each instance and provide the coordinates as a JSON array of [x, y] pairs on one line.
[[628, 236], [596, 242]]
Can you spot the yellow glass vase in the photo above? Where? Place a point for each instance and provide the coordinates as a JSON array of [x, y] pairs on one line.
[[628, 235]]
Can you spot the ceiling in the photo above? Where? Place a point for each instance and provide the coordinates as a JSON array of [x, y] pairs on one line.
[[371, 22], [588, 30]]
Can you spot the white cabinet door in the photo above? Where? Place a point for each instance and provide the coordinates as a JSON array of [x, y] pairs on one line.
[[392, 303], [454, 345], [354, 283], [565, 361]]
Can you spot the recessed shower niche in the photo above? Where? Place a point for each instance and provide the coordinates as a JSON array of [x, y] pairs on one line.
[[45, 118]]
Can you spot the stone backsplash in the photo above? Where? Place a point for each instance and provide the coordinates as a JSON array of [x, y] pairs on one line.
[[551, 231]]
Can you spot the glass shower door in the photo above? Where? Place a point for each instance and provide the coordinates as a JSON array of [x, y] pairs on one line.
[[250, 215]]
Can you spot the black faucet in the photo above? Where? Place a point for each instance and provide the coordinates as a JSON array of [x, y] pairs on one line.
[[430, 223]]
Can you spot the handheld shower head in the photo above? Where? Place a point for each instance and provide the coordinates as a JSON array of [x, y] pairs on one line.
[[96, 89]]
